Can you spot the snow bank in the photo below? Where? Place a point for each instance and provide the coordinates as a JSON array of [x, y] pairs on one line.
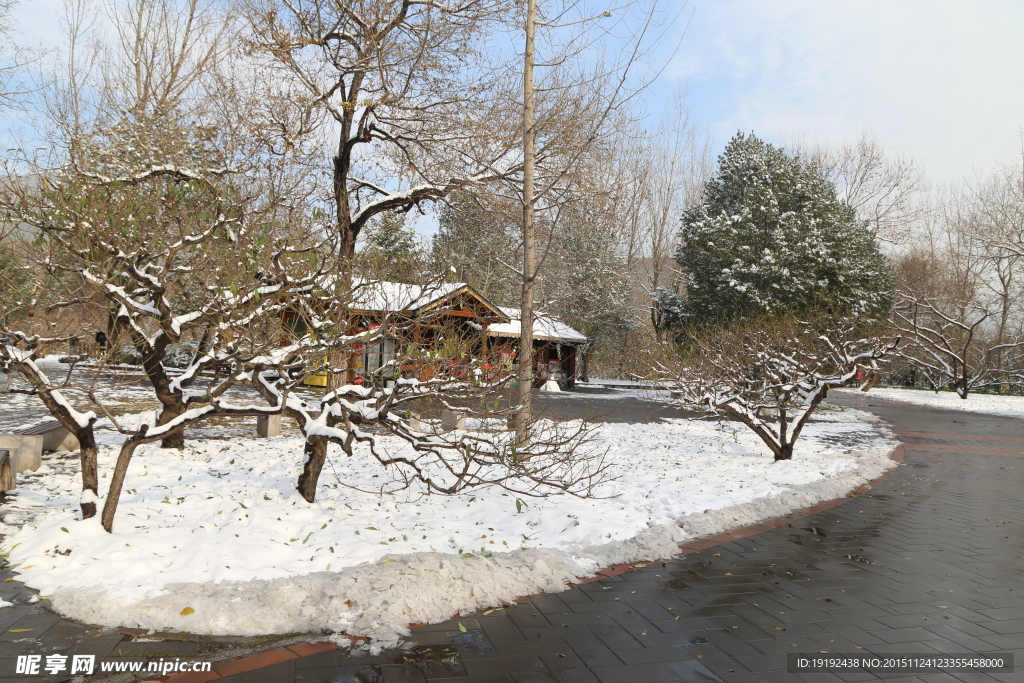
[[1007, 406], [215, 540]]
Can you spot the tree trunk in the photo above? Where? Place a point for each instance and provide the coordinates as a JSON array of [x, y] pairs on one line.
[[117, 481], [175, 439], [525, 394], [90, 473], [785, 452], [316, 456]]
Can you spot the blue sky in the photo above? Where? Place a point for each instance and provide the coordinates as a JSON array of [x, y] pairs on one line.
[[941, 80]]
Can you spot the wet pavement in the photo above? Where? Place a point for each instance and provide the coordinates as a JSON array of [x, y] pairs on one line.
[[930, 561]]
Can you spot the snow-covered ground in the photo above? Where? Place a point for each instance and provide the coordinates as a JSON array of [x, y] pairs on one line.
[[215, 539], [1008, 406]]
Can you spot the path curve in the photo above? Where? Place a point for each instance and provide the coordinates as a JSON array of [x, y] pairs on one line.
[[930, 561]]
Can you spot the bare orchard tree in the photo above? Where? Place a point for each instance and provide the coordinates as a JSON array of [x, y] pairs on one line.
[[421, 376], [772, 374], [19, 356], [951, 341], [961, 304], [174, 261]]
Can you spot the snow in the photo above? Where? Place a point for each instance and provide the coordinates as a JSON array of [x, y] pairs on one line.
[[1007, 406], [545, 327], [379, 295], [214, 538]]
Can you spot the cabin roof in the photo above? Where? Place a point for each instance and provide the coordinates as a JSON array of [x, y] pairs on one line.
[[545, 327], [387, 297]]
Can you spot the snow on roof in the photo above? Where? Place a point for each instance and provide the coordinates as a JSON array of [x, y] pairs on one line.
[[397, 296], [380, 295], [545, 327]]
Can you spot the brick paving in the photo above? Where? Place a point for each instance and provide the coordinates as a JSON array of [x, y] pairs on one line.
[[929, 561]]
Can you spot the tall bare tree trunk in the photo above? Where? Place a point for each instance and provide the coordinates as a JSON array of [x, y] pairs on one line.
[[338, 358], [525, 415]]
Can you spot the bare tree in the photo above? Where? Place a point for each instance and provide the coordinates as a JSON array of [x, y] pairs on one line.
[[961, 295], [772, 374], [884, 188]]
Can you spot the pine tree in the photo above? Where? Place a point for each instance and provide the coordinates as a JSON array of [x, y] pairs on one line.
[[481, 245], [391, 250], [770, 236], [586, 281]]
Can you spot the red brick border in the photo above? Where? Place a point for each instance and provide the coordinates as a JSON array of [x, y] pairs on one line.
[[961, 437], [966, 450], [278, 655]]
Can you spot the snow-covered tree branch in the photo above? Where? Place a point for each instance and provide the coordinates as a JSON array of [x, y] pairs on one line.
[[772, 374]]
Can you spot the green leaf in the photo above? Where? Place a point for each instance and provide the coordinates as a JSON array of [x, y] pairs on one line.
[[520, 505], [488, 612], [461, 627], [372, 528], [65, 530], [387, 559]]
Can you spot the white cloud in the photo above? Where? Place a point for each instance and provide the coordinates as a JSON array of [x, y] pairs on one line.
[[939, 79]]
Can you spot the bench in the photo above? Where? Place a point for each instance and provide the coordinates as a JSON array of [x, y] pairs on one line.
[[7, 480], [27, 445]]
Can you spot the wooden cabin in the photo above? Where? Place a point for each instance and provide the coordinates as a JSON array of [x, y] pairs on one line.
[[452, 316], [560, 350]]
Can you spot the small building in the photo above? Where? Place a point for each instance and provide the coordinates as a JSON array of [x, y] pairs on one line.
[[430, 316], [560, 350]]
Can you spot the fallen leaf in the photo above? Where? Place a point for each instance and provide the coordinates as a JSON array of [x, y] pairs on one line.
[[187, 611], [461, 627], [18, 630]]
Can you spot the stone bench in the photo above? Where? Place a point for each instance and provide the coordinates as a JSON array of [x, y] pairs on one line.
[[7, 479], [27, 445]]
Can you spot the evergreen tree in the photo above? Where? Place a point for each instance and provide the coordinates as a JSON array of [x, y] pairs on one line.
[[770, 236], [586, 281], [478, 243], [582, 280], [390, 250]]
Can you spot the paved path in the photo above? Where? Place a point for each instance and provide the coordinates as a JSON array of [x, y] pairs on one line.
[[930, 561]]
